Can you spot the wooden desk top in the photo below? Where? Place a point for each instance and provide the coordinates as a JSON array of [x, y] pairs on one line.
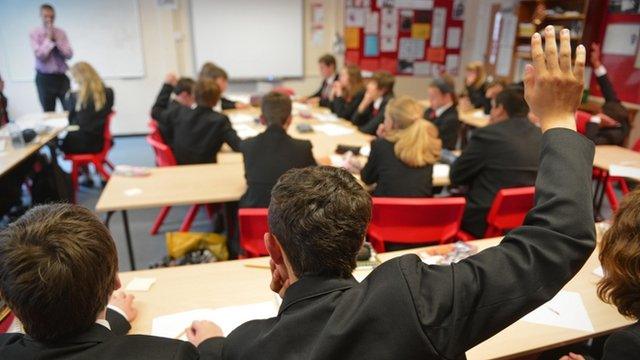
[[607, 155], [11, 156], [233, 283]]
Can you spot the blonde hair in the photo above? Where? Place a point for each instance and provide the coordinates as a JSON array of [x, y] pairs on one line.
[[416, 140], [91, 86], [356, 83], [481, 77]]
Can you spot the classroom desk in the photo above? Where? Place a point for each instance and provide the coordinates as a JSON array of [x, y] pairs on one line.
[[605, 156], [11, 156], [234, 283]]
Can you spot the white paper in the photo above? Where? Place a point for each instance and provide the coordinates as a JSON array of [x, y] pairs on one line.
[[333, 130], [621, 39], [329, 117], [388, 44], [441, 170], [565, 310], [625, 171], [437, 30], [240, 118], [453, 37], [422, 68], [599, 271], [411, 49], [355, 17], [372, 23], [245, 131], [140, 284], [228, 318], [133, 192], [452, 63], [389, 23]]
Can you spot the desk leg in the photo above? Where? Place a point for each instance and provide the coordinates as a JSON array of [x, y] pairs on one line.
[[108, 218], [127, 234], [598, 195]]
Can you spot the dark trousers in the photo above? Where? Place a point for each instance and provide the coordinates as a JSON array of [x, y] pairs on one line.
[[50, 88], [474, 221], [606, 136]]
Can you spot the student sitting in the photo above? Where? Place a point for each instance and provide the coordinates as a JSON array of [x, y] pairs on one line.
[[88, 107], [611, 125], [406, 309], [401, 159], [494, 88], [58, 270], [443, 112], [220, 76], [270, 154], [4, 105], [347, 92], [370, 112], [182, 90], [327, 66], [196, 135], [501, 155], [620, 286], [475, 87]]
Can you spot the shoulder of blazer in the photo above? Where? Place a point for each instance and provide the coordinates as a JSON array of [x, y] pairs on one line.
[[451, 112], [10, 338]]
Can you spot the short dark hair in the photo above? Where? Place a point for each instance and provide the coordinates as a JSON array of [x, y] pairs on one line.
[[446, 85], [620, 258], [513, 103], [320, 216], [47, 7], [384, 80], [212, 72], [328, 60], [185, 84], [616, 111], [207, 93], [58, 266], [276, 108]]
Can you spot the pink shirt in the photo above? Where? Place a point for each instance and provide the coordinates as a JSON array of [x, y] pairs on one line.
[[50, 55]]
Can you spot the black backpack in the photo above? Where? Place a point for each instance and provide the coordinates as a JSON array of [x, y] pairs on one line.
[[50, 182]]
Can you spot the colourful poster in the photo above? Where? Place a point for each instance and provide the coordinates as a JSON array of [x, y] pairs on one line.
[[371, 47], [436, 55], [421, 31], [352, 38]]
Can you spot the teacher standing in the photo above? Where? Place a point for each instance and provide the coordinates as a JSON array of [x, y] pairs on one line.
[[52, 49]]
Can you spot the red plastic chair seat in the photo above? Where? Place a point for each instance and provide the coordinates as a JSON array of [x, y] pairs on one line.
[[509, 209], [253, 224]]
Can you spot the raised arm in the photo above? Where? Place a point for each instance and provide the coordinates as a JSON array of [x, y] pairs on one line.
[[474, 299], [600, 71], [164, 97]]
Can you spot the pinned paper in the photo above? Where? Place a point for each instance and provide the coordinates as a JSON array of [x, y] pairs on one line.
[[389, 64], [388, 44], [439, 23], [355, 17], [452, 64], [389, 23], [421, 31], [406, 20], [371, 46], [621, 39], [352, 38], [565, 310], [422, 68], [411, 49], [140, 284], [436, 54], [372, 23], [453, 37]]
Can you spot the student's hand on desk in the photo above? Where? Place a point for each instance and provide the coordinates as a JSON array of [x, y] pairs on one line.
[[171, 79], [202, 330], [280, 281], [124, 302], [552, 90], [572, 356]]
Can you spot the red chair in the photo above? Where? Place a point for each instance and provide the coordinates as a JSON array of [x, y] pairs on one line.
[[509, 209], [636, 146], [415, 220], [164, 157], [582, 119], [97, 159], [253, 224]]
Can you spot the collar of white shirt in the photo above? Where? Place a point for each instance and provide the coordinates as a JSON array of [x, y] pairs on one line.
[[104, 323], [218, 106], [442, 109], [378, 102]]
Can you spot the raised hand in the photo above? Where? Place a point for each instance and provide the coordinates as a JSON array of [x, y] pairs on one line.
[[552, 89], [171, 79]]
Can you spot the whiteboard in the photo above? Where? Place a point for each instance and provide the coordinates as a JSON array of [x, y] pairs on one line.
[[104, 33], [251, 39]]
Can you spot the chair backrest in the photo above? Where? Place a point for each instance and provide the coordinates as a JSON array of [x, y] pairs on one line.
[[582, 118], [106, 134], [164, 155], [636, 146], [417, 220], [155, 131], [253, 223], [510, 206]]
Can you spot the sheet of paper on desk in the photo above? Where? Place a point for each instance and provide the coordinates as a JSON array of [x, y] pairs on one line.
[[333, 130], [140, 284], [441, 171], [625, 171], [599, 272], [243, 98], [3, 145], [240, 118], [245, 131], [330, 117], [566, 310], [228, 318]]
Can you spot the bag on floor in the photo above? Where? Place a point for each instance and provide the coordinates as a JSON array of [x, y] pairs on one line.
[[184, 248], [50, 182]]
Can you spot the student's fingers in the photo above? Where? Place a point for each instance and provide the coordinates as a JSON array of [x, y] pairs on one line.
[[581, 58], [565, 51], [566, 357], [574, 356], [537, 54], [529, 81], [550, 49]]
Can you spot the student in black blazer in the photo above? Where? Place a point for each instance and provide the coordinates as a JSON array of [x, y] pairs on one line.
[[370, 112], [270, 154], [620, 286], [475, 87], [401, 159], [501, 155], [182, 90], [611, 125], [196, 135], [58, 265], [327, 66], [219, 75], [406, 309], [347, 92], [88, 108], [443, 112]]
